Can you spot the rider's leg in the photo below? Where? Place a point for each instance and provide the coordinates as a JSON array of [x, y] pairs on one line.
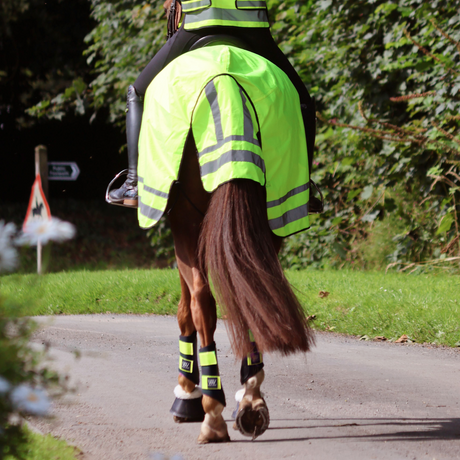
[[127, 193], [174, 47]]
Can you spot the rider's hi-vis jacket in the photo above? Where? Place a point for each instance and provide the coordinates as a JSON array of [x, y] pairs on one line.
[[215, 91], [234, 13]]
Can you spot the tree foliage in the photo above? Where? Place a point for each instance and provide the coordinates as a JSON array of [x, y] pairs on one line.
[[40, 53], [386, 79], [127, 35]]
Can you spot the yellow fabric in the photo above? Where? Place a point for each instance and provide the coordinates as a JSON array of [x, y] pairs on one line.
[[208, 358], [205, 85], [227, 13], [186, 348]]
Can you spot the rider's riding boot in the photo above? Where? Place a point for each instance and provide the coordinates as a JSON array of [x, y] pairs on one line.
[[127, 193]]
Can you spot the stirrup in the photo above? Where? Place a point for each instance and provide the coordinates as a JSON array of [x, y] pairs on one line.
[[127, 203]]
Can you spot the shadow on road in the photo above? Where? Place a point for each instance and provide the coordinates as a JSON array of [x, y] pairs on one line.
[[417, 429]]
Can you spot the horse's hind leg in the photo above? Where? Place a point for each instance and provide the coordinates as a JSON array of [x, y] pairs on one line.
[[251, 415], [201, 315], [197, 309], [213, 428], [187, 406]]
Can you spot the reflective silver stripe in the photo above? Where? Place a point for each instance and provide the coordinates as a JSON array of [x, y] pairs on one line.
[[248, 135], [151, 213], [233, 155], [250, 4], [228, 139], [152, 190], [228, 15], [193, 5], [211, 94], [156, 192], [293, 192], [289, 217], [248, 125]]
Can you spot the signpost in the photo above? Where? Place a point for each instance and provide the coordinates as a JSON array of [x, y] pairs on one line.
[[38, 208], [44, 171], [63, 170]]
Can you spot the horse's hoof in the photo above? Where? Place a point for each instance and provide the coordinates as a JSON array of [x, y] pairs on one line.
[[187, 410], [213, 429], [204, 439], [253, 418]]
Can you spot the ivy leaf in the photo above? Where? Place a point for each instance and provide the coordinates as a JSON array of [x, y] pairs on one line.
[[446, 224], [352, 194], [367, 192], [435, 171], [371, 216]]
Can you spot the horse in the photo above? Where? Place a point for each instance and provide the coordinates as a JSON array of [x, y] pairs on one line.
[[225, 247]]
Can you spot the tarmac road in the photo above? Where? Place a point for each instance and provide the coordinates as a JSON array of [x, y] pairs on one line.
[[345, 400]]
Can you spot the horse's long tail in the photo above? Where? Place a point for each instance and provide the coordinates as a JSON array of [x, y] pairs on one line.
[[237, 251]]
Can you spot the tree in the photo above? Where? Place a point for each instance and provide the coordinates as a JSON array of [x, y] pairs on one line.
[[126, 36], [386, 79], [379, 146], [41, 46]]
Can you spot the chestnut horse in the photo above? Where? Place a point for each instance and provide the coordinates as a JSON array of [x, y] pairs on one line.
[[225, 238]]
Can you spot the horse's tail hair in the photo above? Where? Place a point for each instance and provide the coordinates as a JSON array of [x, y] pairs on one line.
[[237, 252]]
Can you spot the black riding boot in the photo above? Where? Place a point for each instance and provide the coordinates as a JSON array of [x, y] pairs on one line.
[[127, 193]]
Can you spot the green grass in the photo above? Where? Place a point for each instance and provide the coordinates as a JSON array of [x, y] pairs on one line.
[[45, 447], [424, 307], [87, 292]]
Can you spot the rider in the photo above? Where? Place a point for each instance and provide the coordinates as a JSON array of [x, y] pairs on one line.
[[246, 20]]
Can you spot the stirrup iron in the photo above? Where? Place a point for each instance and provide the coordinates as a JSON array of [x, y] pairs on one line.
[[128, 202]]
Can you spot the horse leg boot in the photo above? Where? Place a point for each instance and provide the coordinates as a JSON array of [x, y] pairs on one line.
[[251, 415], [127, 194], [187, 406], [213, 428]]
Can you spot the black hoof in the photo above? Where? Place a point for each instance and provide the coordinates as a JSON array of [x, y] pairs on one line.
[[187, 410]]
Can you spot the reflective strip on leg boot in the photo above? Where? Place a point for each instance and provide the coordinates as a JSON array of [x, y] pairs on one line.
[[188, 360], [211, 384], [252, 364], [187, 407]]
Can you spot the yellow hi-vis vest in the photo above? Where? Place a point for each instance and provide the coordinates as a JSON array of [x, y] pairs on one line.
[[210, 91], [234, 13]]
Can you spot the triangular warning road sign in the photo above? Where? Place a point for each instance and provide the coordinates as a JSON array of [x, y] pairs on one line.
[[38, 206]]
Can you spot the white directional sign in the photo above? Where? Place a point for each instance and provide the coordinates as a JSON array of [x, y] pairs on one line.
[[38, 206], [63, 170]]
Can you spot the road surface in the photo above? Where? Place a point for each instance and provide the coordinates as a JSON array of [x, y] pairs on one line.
[[347, 399]]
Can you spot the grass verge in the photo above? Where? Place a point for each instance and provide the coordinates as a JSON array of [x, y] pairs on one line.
[[86, 292], [425, 307], [45, 447]]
